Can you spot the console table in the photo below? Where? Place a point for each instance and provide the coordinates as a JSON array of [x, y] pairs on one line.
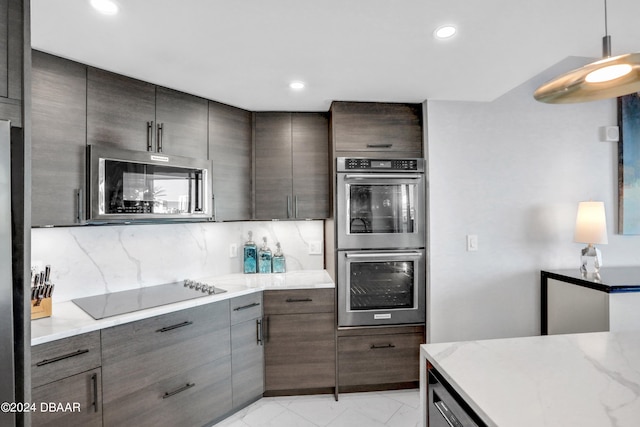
[[573, 303]]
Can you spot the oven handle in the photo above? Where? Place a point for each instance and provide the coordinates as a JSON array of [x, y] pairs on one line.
[[382, 176], [385, 255]]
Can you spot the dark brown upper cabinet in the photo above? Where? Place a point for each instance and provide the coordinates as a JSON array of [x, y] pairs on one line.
[[230, 151], [58, 132], [386, 129], [291, 165], [11, 59], [128, 113]]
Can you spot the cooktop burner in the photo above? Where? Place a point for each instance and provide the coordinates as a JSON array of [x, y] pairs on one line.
[[115, 303]]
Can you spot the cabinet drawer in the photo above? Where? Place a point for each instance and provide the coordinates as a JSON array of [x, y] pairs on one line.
[[82, 389], [189, 398], [62, 358], [139, 354], [299, 301], [245, 307], [378, 359]]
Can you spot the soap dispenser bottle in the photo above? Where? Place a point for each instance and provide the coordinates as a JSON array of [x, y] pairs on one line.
[[264, 257], [278, 260], [250, 256]]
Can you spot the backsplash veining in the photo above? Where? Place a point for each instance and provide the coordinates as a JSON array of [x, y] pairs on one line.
[[97, 259]]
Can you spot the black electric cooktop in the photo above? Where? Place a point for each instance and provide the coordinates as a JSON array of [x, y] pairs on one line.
[[115, 303]]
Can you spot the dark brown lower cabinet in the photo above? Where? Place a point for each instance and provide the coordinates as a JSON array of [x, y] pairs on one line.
[[70, 402], [173, 369], [299, 347], [379, 357], [66, 374], [247, 349], [193, 397]]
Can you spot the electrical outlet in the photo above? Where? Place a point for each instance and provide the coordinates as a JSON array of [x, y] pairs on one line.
[[315, 247], [233, 250]]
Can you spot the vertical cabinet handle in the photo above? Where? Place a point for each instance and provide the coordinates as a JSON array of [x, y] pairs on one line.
[[213, 202], [79, 211], [94, 383], [288, 206], [150, 136], [295, 206], [259, 332], [159, 138]]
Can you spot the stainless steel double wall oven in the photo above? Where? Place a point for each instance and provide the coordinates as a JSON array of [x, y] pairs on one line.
[[381, 236]]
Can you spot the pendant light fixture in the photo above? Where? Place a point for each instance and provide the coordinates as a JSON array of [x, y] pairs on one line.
[[609, 77]]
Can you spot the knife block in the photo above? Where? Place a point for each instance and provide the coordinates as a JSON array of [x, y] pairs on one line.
[[42, 310]]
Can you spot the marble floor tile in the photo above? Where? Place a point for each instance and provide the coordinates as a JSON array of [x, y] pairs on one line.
[[398, 408]]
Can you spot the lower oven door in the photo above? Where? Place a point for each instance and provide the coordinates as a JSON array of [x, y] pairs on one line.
[[381, 287], [447, 410]]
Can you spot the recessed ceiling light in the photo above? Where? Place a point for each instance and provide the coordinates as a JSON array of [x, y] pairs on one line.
[[296, 85], [106, 7], [444, 32]]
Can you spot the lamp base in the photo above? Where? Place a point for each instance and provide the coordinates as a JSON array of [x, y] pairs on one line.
[[590, 259]]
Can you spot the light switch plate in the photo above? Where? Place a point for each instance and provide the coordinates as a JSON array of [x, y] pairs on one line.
[[233, 250], [472, 242]]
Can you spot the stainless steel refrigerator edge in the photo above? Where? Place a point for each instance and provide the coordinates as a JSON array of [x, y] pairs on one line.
[[7, 385]]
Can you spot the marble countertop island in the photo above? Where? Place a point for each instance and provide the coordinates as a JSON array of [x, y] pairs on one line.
[[68, 319], [586, 380]]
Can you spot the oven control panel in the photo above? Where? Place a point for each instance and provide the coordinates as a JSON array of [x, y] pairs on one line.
[[381, 164]]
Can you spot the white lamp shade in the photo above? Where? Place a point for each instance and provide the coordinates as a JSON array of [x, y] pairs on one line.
[[591, 223]]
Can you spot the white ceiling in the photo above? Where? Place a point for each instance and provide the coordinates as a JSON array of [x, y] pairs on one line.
[[245, 52]]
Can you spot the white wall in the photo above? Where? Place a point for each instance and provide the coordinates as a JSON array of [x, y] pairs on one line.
[[93, 260], [512, 171]]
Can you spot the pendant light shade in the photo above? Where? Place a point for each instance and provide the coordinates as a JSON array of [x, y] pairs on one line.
[[610, 77]]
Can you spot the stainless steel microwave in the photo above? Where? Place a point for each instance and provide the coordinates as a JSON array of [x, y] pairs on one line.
[[125, 185]]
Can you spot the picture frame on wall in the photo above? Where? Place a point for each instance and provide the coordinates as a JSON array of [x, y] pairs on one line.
[[629, 164]]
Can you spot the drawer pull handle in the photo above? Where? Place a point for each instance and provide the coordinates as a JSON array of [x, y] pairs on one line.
[[379, 145], [59, 358], [171, 328], [94, 382], [373, 346], [180, 390], [244, 307], [299, 299]]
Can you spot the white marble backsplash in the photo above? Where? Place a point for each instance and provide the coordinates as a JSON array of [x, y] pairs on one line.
[[93, 260]]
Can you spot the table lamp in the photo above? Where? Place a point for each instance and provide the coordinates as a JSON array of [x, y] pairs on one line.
[[591, 228]]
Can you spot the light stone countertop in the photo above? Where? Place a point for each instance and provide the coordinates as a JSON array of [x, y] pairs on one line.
[[586, 380], [68, 319]]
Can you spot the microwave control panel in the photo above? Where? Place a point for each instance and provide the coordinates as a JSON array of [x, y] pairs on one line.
[[381, 164]]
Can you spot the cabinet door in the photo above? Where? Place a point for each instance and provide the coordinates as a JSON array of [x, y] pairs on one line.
[[59, 97], [4, 48], [230, 151], [299, 351], [181, 127], [377, 127], [273, 185], [80, 396], [247, 361], [310, 151], [119, 110]]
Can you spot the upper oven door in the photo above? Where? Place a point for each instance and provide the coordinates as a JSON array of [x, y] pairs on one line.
[[126, 185], [380, 210]]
